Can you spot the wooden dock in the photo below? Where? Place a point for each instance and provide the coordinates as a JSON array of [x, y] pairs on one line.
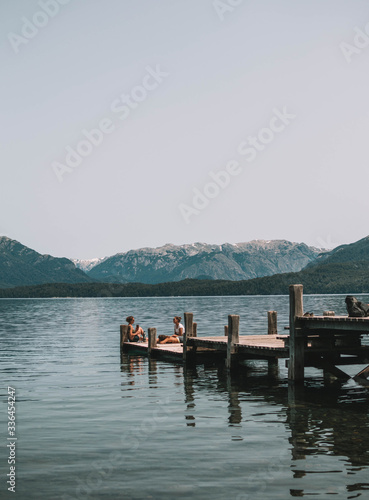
[[324, 342]]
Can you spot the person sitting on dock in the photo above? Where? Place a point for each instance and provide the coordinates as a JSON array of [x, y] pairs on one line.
[[134, 335], [177, 337]]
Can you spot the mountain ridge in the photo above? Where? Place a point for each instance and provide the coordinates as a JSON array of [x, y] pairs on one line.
[[20, 265], [236, 261]]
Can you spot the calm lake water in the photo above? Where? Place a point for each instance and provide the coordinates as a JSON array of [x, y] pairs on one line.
[[92, 425]]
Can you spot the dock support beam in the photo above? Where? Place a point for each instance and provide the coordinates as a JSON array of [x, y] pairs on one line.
[[188, 324], [296, 364], [123, 336], [152, 339], [233, 338]]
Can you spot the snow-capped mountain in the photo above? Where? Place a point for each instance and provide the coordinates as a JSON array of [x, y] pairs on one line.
[[87, 264], [204, 261]]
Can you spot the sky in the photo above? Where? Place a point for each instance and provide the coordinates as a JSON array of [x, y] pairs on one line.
[[136, 123]]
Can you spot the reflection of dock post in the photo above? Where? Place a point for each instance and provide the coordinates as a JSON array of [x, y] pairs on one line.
[[123, 336], [233, 338], [296, 363], [152, 339], [188, 376], [234, 408], [297, 424], [188, 320]]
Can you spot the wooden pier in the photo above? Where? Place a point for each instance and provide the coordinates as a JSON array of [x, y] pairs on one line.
[[324, 342]]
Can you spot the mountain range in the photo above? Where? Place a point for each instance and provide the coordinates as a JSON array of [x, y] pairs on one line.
[[19, 265], [344, 269], [240, 261]]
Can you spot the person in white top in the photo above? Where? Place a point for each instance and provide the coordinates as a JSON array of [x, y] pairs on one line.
[[177, 338]]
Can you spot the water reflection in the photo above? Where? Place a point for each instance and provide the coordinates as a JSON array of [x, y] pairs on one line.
[[331, 421], [189, 375]]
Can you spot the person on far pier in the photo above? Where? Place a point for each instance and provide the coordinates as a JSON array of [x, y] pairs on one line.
[[134, 334], [177, 337]]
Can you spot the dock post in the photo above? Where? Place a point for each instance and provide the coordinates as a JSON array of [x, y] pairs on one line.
[[233, 338], [272, 330], [272, 323], [188, 324], [194, 329], [152, 339], [123, 336], [296, 364], [226, 331]]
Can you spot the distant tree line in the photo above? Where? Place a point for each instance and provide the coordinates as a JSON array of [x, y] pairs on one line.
[[348, 277]]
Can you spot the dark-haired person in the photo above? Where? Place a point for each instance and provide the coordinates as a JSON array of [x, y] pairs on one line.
[[134, 335], [177, 338]]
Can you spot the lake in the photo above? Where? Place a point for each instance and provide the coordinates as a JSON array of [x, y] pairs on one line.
[[90, 424]]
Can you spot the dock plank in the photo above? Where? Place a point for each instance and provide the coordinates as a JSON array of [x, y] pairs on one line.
[[247, 343]]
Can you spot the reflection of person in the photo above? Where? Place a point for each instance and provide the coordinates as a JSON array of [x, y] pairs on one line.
[[177, 338], [134, 335]]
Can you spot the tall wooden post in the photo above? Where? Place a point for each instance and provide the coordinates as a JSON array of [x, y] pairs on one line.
[[272, 323], [188, 324], [152, 339], [194, 329], [123, 336], [296, 364], [233, 338], [272, 330]]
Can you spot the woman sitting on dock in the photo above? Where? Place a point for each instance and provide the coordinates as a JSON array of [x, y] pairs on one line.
[[177, 338], [134, 335]]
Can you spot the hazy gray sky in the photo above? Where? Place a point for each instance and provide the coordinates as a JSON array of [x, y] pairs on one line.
[[272, 92]]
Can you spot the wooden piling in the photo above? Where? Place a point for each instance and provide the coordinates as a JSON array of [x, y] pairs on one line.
[[188, 324], [152, 339], [233, 338], [226, 331], [123, 336], [194, 329], [296, 364], [272, 323]]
